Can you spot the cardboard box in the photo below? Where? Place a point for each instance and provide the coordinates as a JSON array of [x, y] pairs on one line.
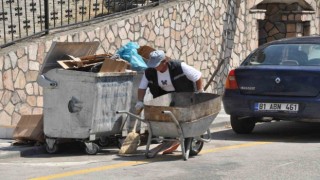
[[144, 52], [30, 127]]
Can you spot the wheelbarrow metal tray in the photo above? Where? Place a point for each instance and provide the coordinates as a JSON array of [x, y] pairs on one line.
[[190, 129], [185, 106]]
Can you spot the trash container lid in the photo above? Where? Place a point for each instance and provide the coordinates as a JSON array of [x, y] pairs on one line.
[[60, 50]]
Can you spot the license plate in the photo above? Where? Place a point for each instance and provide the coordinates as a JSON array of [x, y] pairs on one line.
[[287, 107]]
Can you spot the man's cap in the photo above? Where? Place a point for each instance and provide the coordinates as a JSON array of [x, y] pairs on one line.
[[155, 58]]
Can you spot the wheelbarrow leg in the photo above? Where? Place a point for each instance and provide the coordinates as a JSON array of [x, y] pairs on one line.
[[149, 141], [185, 149], [185, 146]]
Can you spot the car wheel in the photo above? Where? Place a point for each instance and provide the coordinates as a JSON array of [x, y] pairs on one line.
[[242, 125]]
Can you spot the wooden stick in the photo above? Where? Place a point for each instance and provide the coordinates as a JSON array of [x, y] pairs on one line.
[[214, 74]]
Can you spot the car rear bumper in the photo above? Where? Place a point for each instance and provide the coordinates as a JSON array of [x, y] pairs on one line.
[[243, 105]]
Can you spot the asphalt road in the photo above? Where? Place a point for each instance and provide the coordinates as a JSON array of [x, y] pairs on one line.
[[277, 150]]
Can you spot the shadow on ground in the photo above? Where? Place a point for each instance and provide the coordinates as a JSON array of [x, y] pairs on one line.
[[279, 131]]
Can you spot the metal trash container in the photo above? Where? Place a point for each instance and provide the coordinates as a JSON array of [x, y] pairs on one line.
[[81, 105]]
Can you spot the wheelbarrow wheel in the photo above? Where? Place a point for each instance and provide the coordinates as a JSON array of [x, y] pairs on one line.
[[195, 148]]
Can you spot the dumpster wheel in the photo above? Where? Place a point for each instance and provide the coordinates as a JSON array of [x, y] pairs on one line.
[[104, 142], [52, 150], [91, 148]]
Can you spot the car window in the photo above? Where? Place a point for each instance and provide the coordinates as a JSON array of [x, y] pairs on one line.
[[286, 54], [314, 55]]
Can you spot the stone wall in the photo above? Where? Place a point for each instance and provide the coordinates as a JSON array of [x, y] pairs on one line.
[[203, 33]]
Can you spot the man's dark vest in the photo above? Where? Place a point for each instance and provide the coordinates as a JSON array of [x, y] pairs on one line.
[[179, 80]]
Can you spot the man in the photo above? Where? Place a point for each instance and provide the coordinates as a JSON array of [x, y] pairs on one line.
[[163, 76]]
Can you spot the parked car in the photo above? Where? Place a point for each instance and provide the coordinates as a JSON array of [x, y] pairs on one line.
[[279, 80]]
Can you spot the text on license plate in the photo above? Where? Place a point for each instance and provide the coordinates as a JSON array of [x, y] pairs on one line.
[[276, 107]]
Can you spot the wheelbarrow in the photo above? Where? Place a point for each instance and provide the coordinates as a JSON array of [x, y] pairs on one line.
[[183, 117]]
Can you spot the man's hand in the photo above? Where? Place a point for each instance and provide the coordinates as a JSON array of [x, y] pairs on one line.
[[139, 105]]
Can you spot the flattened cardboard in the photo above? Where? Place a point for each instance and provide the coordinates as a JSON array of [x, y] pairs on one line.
[[30, 127], [70, 64], [61, 50], [117, 65], [85, 61]]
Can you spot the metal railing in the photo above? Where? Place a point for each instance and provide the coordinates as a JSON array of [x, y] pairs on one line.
[[21, 19]]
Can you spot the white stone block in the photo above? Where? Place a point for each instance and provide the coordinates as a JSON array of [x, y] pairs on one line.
[[6, 132]]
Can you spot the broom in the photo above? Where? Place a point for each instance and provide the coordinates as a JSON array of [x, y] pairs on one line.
[[130, 144]]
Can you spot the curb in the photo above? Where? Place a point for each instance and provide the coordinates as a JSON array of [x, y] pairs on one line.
[[18, 151], [220, 125]]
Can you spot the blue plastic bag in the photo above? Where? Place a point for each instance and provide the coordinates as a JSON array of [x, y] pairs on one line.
[[129, 53]]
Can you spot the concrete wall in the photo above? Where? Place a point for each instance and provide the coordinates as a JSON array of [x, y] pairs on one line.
[[203, 33]]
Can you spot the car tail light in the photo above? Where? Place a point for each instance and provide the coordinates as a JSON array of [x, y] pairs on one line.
[[231, 82]]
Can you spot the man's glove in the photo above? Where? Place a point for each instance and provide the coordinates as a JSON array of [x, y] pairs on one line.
[[200, 91], [139, 105]]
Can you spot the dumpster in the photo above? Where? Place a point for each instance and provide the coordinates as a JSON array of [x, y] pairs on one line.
[[81, 105]]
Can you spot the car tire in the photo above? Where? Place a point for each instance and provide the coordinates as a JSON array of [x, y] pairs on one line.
[[242, 125]]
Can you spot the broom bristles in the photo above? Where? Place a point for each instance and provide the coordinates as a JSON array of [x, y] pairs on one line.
[[130, 144]]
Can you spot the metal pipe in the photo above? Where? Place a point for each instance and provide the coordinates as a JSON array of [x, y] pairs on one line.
[[26, 26], [131, 114], [46, 16], [89, 9], [174, 119], [203, 139], [19, 14], [33, 9], [11, 26], [4, 22]]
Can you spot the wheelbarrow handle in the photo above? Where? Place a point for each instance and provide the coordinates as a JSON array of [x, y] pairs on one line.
[[182, 138], [172, 116], [174, 119], [208, 139], [176, 122], [130, 114]]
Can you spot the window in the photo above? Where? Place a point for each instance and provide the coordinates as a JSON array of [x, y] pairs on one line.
[[286, 54]]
